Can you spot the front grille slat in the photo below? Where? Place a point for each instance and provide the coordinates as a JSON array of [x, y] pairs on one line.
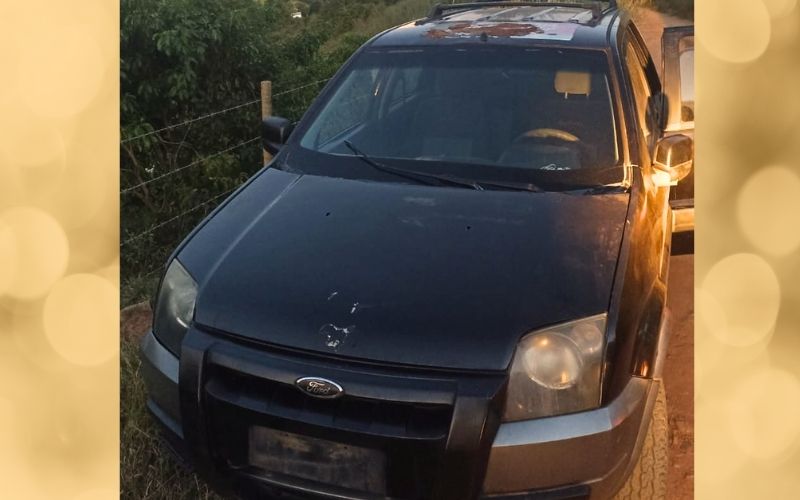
[[390, 419]]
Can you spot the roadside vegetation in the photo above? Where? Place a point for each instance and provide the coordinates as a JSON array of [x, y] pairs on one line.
[[147, 472], [189, 59], [184, 59]]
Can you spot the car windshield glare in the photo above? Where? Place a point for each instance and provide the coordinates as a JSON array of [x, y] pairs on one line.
[[509, 107]]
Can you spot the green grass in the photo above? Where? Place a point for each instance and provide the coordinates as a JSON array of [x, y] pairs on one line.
[[147, 471], [139, 288]]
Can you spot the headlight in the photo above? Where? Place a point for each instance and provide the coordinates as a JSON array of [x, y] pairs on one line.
[[557, 370], [175, 307]]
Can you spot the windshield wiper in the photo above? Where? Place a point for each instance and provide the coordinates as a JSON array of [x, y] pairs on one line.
[[601, 189], [510, 186], [423, 177]]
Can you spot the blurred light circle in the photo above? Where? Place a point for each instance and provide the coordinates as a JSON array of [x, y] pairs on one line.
[[8, 61], [97, 494], [96, 243], [7, 418], [32, 345], [784, 33], [32, 141], [717, 182], [745, 295], [718, 458], [768, 210], [709, 318], [766, 124], [12, 190], [55, 85], [709, 311], [81, 319], [8, 256], [740, 32], [780, 8], [764, 414], [42, 251]]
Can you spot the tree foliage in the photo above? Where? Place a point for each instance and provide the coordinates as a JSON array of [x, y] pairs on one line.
[[183, 59]]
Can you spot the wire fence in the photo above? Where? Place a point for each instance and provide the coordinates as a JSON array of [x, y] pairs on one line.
[[192, 164], [188, 122], [278, 94], [154, 253], [216, 113], [177, 217]]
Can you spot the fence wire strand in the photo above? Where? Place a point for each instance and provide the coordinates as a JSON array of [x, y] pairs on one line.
[[196, 162], [192, 164], [173, 219], [187, 122], [300, 87], [215, 113]]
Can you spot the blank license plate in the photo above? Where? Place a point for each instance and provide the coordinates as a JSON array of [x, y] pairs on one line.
[[319, 460]]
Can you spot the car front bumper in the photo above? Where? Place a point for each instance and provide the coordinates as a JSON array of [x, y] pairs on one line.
[[582, 455]]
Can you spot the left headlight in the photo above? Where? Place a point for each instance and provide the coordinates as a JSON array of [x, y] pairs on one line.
[[557, 370], [175, 307]]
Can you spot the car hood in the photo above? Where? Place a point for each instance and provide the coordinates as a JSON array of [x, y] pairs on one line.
[[397, 273]]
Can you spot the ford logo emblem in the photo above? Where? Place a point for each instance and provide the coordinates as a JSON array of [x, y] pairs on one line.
[[319, 387]]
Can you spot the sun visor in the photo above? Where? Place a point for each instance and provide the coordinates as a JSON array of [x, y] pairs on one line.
[[573, 83]]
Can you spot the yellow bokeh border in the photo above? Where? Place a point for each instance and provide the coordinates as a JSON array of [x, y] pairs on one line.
[[59, 249], [59, 245], [747, 258]]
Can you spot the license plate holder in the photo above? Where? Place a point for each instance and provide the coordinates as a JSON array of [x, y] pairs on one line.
[[318, 460]]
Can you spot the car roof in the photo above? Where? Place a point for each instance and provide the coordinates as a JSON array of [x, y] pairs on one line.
[[508, 22]]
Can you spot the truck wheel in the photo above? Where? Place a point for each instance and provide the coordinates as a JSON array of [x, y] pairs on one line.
[[648, 480]]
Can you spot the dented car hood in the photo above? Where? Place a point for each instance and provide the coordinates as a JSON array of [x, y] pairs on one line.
[[398, 273]]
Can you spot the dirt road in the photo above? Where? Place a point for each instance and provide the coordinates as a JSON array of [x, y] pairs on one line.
[[679, 379]]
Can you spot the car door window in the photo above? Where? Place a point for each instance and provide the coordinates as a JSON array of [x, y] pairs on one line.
[[642, 93], [678, 49], [678, 71]]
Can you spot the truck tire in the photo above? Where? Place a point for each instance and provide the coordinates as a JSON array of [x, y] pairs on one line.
[[648, 480]]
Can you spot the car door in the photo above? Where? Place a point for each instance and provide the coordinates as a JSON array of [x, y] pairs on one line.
[[678, 87]]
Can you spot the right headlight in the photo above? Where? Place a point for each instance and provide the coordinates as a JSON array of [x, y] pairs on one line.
[[175, 307], [557, 370]]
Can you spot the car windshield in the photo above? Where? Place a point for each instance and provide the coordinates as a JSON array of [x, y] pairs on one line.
[[501, 107]]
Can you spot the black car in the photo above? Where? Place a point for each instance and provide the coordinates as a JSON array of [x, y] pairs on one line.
[[450, 281]]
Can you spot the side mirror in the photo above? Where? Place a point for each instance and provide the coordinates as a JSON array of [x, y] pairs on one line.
[[275, 132], [673, 159]]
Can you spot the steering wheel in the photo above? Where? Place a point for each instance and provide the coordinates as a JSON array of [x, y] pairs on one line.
[[515, 153], [547, 133]]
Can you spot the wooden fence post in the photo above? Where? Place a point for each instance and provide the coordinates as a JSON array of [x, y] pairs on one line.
[[266, 109]]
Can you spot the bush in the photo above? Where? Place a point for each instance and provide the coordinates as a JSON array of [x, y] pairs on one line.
[[182, 59]]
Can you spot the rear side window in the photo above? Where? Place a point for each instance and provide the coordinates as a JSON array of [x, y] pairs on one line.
[[646, 92], [641, 92]]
